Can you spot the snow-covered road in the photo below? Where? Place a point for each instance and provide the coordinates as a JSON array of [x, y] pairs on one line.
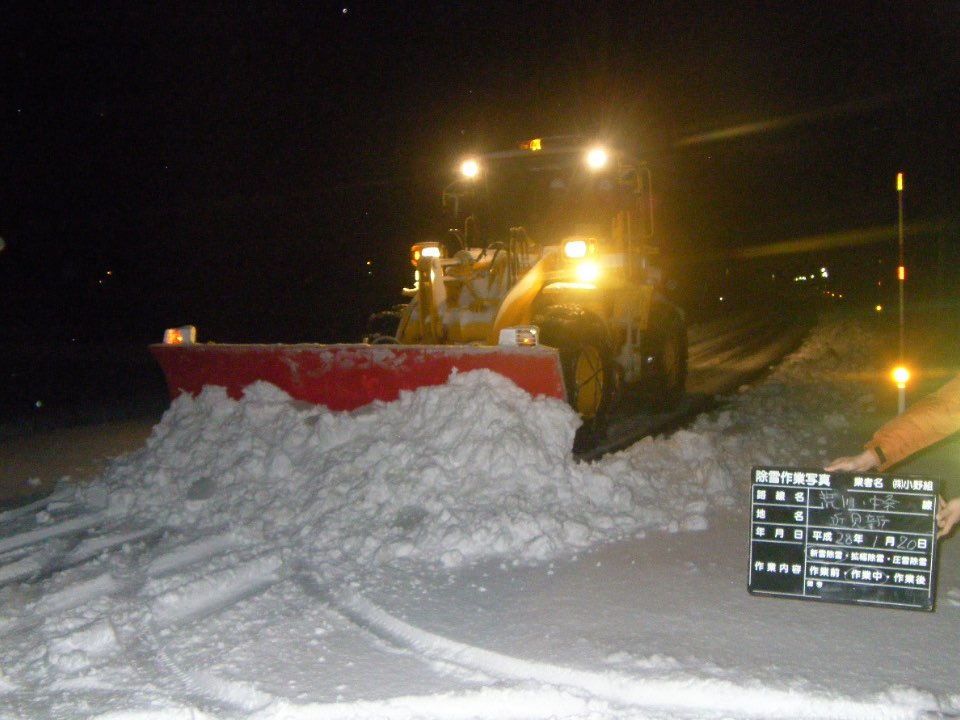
[[445, 557]]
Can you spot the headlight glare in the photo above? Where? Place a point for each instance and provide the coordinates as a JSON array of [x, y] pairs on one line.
[[575, 249], [588, 272]]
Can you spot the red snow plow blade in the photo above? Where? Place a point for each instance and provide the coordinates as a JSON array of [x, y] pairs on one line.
[[345, 377]]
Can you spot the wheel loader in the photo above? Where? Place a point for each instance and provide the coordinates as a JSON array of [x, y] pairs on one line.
[[547, 277]]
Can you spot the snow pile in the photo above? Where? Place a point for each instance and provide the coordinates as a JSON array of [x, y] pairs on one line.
[[471, 469]]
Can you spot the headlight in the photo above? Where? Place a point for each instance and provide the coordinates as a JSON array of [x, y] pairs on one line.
[[588, 271], [470, 169], [575, 249], [597, 158]]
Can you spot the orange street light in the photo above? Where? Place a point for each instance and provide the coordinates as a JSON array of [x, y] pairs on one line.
[[901, 376]]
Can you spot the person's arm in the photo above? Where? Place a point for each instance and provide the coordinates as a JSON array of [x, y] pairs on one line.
[[927, 421], [867, 460], [948, 513]]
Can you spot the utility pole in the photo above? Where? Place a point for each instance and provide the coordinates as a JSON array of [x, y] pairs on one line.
[[901, 277]]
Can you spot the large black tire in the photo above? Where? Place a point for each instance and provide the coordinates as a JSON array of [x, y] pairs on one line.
[[586, 359], [670, 359]]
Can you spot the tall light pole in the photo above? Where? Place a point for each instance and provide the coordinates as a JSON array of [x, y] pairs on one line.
[[901, 269], [901, 277]]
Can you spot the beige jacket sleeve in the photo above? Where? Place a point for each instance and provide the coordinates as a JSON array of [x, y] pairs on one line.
[[925, 422]]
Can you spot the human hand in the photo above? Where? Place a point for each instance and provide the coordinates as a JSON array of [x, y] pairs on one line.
[[867, 460], [948, 513]]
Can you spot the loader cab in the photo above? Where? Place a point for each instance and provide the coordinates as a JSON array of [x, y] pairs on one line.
[[552, 189]]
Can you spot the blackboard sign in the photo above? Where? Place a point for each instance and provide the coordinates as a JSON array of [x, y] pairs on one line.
[[844, 537]]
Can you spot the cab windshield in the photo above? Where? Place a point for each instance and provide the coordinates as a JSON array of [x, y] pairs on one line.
[[551, 196]]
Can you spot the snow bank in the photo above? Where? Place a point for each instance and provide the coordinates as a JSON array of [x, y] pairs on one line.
[[469, 470], [446, 474]]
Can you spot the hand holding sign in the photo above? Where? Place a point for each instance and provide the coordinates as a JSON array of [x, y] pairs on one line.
[[947, 516]]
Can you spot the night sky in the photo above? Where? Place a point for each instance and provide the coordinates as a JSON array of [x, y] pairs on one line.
[[238, 165]]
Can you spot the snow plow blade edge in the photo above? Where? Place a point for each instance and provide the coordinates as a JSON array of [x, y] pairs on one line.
[[346, 377]]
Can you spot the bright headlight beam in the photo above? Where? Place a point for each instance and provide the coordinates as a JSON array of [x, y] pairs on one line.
[[588, 272], [470, 168]]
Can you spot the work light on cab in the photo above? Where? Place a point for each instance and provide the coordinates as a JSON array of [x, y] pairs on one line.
[[575, 249], [597, 158]]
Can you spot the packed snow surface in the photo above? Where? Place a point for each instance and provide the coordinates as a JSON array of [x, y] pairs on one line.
[[444, 556]]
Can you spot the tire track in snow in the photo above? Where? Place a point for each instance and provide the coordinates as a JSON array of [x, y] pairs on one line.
[[191, 602], [30, 557], [64, 494], [237, 583], [197, 689], [192, 553], [500, 703], [689, 695], [211, 595], [41, 534]]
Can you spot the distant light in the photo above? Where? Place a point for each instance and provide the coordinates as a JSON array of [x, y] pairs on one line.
[[899, 182], [824, 273], [345, 10], [901, 376], [879, 308], [470, 168], [901, 273]]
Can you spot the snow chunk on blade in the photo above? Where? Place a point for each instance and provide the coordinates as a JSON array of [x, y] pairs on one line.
[[448, 474]]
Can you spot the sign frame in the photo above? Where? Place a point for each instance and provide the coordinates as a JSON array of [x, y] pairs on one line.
[[856, 538]]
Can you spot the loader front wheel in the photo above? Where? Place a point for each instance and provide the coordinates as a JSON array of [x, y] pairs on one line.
[[671, 364], [587, 364], [587, 388]]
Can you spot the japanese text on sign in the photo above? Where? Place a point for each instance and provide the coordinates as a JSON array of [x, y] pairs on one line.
[[843, 537]]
